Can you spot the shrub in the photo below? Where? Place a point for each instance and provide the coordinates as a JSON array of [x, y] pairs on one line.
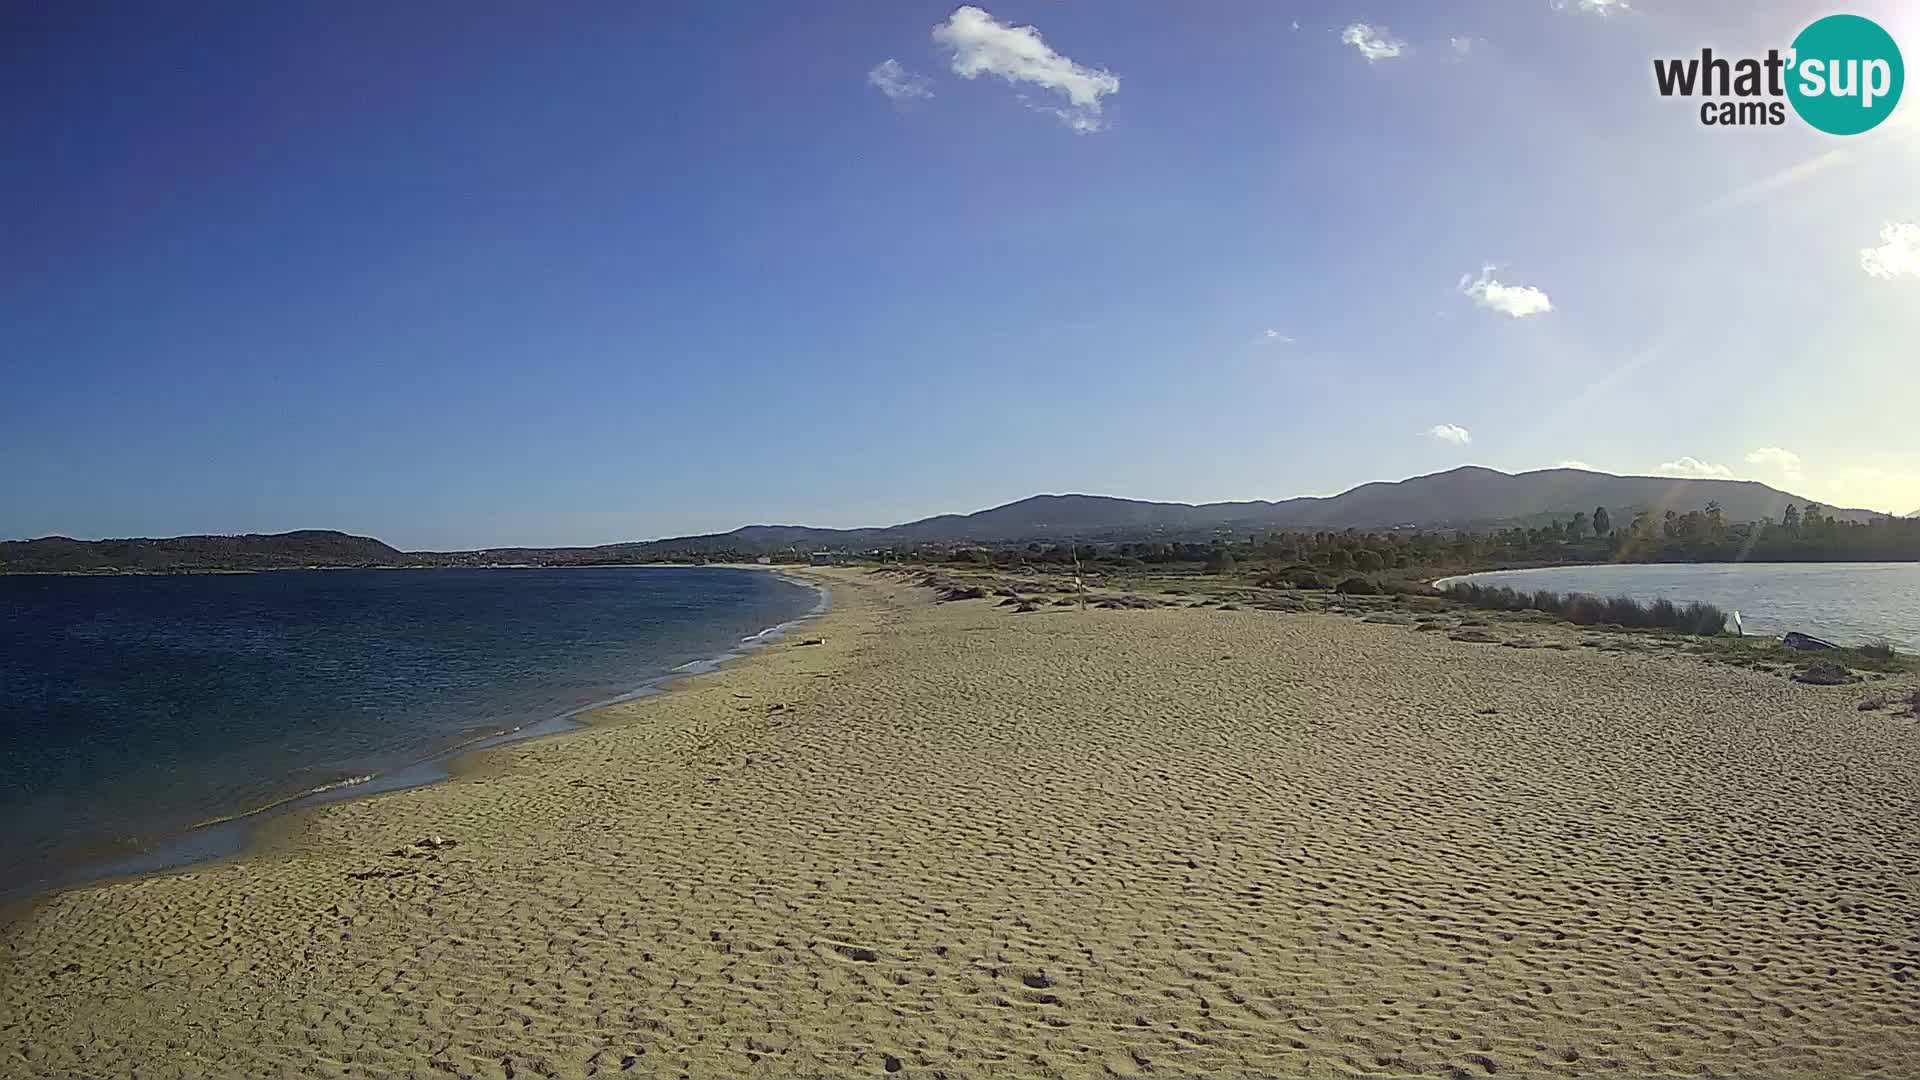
[[1623, 611], [1881, 649], [1662, 613], [1220, 562], [1823, 673], [1294, 577], [1358, 586], [1584, 610], [1703, 619]]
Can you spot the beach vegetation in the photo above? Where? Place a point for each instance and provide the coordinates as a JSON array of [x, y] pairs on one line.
[[1584, 610], [1876, 657], [1412, 556], [1293, 577], [1824, 673], [1768, 654]]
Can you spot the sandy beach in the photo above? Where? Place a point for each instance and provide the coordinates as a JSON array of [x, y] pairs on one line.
[[953, 841]]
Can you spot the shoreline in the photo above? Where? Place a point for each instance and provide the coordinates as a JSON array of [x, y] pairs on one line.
[[238, 834], [215, 571], [952, 837]]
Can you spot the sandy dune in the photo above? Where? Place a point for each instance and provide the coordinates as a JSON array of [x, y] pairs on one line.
[[955, 841]]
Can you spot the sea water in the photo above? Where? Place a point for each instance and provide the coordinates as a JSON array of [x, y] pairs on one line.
[[136, 712]]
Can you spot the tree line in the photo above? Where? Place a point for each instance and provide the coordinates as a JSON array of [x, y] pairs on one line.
[[1802, 534]]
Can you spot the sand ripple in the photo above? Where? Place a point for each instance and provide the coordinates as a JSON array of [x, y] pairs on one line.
[[953, 841]]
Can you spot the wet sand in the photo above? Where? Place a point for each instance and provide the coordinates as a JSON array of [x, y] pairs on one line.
[[950, 840]]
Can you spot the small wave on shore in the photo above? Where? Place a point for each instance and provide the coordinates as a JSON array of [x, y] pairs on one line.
[[394, 705]]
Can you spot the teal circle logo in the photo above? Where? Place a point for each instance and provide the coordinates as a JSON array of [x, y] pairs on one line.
[[1846, 75]]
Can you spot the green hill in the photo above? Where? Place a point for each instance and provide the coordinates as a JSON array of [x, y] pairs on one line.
[[185, 554]]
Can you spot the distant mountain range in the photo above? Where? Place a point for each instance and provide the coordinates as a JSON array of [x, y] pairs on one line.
[[1467, 497]]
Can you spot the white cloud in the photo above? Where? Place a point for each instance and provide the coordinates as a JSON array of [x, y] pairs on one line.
[[1374, 43], [1898, 254], [1275, 337], [1461, 46], [1081, 121], [897, 82], [1451, 433], [1601, 8], [1774, 457], [1296, 24], [1694, 468], [981, 45], [1518, 301], [1572, 463]]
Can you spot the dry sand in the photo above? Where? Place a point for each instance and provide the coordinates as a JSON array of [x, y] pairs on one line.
[[956, 841]]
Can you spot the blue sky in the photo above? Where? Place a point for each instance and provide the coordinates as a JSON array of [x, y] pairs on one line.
[[477, 274]]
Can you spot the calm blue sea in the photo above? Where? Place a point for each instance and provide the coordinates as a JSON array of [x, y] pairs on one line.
[[133, 709]]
